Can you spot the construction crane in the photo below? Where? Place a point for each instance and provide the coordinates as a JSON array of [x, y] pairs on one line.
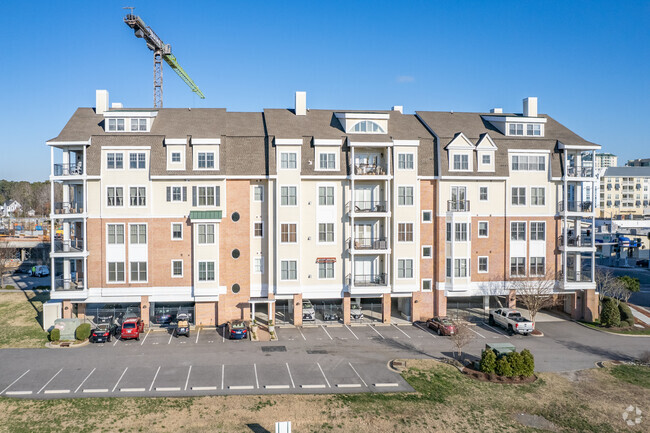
[[161, 51]]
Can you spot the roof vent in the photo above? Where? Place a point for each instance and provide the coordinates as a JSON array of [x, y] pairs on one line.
[[496, 110], [530, 106], [101, 101], [301, 104], [399, 108]]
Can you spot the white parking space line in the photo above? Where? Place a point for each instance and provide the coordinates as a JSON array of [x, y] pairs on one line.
[[48, 382], [116, 340], [95, 390], [241, 387], [154, 378], [397, 327], [57, 391], [328, 334], [204, 388], [303, 335], [476, 332], [358, 375], [132, 389], [145, 338], [290, 376], [189, 371], [18, 392], [12, 383], [348, 385], [324, 377], [349, 329], [373, 328], [497, 330], [168, 388], [198, 332], [386, 385], [417, 325], [118, 380], [170, 338], [223, 371], [312, 386], [82, 382], [277, 386], [257, 382], [223, 339]]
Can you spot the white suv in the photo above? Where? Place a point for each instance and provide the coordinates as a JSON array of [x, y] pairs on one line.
[[308, 312]]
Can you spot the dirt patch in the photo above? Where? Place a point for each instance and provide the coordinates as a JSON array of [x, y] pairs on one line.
[[535, 421]]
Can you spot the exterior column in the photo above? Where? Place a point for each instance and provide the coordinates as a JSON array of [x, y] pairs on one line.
[[297, 310], [590, 305], [66, 309], [512, 299], [385, 308], [440, 303], [144, 310], [205, 313], [81, 311], [576, 305], [253, 311], [486, 305], [346, 308]]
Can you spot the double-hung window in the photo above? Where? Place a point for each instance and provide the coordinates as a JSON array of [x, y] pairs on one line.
[[327, 161], [137, 160], [460, 232], [288, 270], [176, 193], [206, 160], [138, 195], [405, 196], [482, 264], [460, 268], [258, 265], [517, 231], [139, 272], [138, 233], [486, 159], [405, 268], [483, 230], [288, 160], [518, 196], [326, 232], [177, 231], [206, 233], [177, 268], [517, 266], [288, 233], [326, 196], [405, 232], [258, 193], [176, 157], [534, 129], [461, 162], [288, 196], [537, 266], [206, 195], [537, 196], [115, 196], [114, 161], [206, 271], [116, 125], [116, 272], [115, 234], [325, 271], [138, 125], [528, 163], [537, 231], [483, 193], [258, 229], [405, 161], [516, 129]]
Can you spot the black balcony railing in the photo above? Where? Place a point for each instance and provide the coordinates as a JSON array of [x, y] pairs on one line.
[[369, 280], [458, 205], [579, 171], [376, 243], [575, 241], [72, 245], [365, 169], [68, 284], [74, 169], [576, 206], [68, 208], [367, 206]]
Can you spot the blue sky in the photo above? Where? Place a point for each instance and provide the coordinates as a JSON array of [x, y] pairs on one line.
[[588, 62]]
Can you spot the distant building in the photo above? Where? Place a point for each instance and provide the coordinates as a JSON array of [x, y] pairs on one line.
[[624, 192], [10, 207], [638, 163], [605, 160]]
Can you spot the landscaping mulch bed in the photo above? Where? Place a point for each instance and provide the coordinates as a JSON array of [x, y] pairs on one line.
[[495, 378]]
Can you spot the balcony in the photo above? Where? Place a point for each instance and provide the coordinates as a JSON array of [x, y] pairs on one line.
[[376, 243], [75, 169], [68, 246], [575, 241], [371, 280], [68, 208], [374, 206], [579, 171], [369, 169], [581, 278], [576, 206], [457, 205], [61, 284]]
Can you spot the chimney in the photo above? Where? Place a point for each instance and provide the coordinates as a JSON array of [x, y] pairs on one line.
[[116, 105], [301, 103], [399, 108], [496, 110], [101, 101], [530, 106]]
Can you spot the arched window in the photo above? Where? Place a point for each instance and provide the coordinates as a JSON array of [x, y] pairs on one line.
[[368, 126]]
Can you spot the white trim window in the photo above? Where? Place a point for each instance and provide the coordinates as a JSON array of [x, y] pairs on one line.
[[427, 252], [537, 266], [448, 232], [528, 163], [288, 196], [288, 233], [206, 271], [115, 234], [326, 271], [405, 196], [483, 193], [515, 129], [205, 196], [517, 266], [138, 272], [534, 129], [427, 284], [116, 125], [405, 232], [176, 157], [368, 127], [205, 233], [518, 196], [405, 268], [517, 231], [177, 269], [114, 196], [205, 161], [177, 231], [326, 196], [258, 265], [176, 193], [258, 193], [460, 232], [137, 196], [483, 229], [427, 216], [327, 161], [405, 161], [288, 160], [325, 232], [258, 229], [486, 159], [137, 234], [482, 264], [138, 125], [460, 268], [461, 162], [537, 196], [538, 231], [115, 161], [115, 272], [288, 270], [137, 161]]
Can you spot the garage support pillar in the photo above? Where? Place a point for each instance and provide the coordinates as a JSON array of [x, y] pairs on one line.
[[440, 303], [385, 308], [346, 308], [486, 305], [67, 309], [297, 310], [144, 310], [591, 305], [81, 311], [271, 308], [512, 299]]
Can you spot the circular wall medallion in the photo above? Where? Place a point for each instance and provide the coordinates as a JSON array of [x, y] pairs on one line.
[[235, 216], [235, 253], [235, 288]]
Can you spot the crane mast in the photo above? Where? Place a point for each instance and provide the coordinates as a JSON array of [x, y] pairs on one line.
[[161, 51]]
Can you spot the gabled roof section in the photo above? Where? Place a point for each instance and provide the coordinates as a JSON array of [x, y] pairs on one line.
[[486, 143], [460, 142]]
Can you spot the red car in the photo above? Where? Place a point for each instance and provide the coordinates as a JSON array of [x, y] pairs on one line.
[[442, 325], [131, 328]]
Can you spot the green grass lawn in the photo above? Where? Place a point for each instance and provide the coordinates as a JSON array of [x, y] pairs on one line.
[[634, 374], [20, 320], [596, 325]]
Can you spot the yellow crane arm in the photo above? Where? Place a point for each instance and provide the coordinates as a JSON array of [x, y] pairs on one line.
[[173, 63]]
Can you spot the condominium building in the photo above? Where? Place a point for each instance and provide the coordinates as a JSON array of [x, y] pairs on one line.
[[624, 192], [645, 162], [605, 160], [228, 215]]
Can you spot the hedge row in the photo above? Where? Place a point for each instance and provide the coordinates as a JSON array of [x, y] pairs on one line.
[[613, 315], [511, 365]]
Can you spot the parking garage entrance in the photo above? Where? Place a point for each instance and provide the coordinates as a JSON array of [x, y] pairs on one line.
[[111, 313], [164, 314]]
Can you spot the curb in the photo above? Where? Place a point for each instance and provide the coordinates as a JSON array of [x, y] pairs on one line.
[[49, 345]]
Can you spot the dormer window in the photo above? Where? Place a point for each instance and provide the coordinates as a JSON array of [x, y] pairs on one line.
[[368, 126], [534, 129], [516, 129], [116, 125], [461, 162], [487, 159], [138, 125], [531, 129]]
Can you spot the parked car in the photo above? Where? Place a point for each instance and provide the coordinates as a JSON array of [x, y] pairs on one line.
[[308, 312], [512, 320], [237, 330], [131, 329], [643, 263], [165, 318], [355, 311], [330, 316], [442, 325], [102, 333], [39, 271]]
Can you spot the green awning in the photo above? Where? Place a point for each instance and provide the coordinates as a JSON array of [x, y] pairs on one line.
[[205, 215]]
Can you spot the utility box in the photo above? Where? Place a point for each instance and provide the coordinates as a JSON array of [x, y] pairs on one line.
[[283, 427], [51, 312], [67, 327]]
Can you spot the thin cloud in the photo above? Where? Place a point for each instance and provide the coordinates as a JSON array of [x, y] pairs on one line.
[[405, 79]]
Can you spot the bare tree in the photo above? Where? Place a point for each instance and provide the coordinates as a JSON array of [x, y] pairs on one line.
[[7, 255], [536, 292], [608, 285], [462, 337]]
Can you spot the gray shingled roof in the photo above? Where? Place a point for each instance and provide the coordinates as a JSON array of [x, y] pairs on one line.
[[627, 172]]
